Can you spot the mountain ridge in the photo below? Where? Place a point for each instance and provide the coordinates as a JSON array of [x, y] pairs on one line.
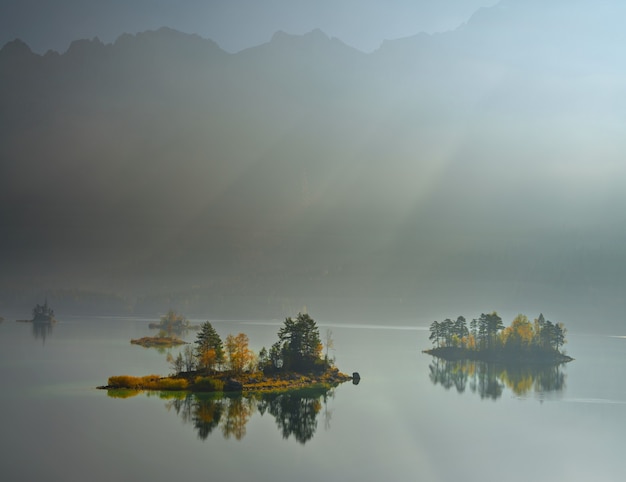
[[304, 166]]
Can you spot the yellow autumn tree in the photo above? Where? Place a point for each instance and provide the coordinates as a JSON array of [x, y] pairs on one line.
[[240, 357], [208, 359], [520, 333]]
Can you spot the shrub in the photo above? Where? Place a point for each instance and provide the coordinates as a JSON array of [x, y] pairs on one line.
[[125, 381], [172, 384], [207, 384], [149, 382]]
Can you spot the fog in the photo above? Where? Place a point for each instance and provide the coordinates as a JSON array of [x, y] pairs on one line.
[[441, 174]]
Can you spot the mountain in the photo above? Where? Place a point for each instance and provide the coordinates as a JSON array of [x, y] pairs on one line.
[[449, 171]]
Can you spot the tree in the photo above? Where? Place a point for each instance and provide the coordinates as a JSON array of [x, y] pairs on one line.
[[447, 331], [541, 321], [275, 357], [330, 344], [435, 332], [474, 327], [240, 357], [488, 327], [541, 338], [207, 359], [263, 358], [300, 342], [552, 335], [520, 334], [452, 333], [209, 349], [558, 337], [177, 363], [460, 330], [189, 360]]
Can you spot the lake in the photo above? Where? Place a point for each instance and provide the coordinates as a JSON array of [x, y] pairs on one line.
[[408, 418]]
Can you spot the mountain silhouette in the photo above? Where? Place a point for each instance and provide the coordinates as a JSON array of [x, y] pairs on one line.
[[454, 164]]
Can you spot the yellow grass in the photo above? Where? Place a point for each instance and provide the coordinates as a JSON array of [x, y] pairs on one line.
[[149, 382]]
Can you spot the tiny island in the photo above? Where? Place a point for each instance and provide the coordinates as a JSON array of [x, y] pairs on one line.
[[171, 326], [42, 314], [487, 339], [294, 361]]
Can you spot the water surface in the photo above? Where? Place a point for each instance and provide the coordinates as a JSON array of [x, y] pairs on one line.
[[404, 420]]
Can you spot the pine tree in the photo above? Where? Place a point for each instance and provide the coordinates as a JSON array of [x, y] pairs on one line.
[[301, 344], [209, 349]]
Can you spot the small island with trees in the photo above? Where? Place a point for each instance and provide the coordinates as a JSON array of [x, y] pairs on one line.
[[487, 339], [42, 314], [171, 326], [294, 361]]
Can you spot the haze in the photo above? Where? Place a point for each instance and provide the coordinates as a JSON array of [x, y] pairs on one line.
[[460, 172], [233, 24]]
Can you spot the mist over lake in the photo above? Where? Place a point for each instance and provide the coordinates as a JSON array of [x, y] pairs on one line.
[[474, 169]]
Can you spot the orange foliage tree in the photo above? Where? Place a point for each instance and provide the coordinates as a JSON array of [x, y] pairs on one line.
[[240, 357]]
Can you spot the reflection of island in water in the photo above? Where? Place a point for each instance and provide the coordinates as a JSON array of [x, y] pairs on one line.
[[42, 321], [295, 411], [42, 330], [489, 380]]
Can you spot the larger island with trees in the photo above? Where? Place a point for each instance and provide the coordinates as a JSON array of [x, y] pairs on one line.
[[487, 339], [294, 361]]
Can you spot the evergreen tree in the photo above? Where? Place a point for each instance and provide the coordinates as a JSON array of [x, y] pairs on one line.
[[435, 332], [460, 330], [209, 349], [447, 330], [300, 342], [558, 336], [493, 326], [474, 327]]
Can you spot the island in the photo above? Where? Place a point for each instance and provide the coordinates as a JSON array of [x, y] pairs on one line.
[[295, 361], [173, 323], [171, 326], [488, 340], [158, 341], [42, 314]]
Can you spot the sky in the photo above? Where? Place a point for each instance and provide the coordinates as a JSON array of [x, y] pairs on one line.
[[233, 24]]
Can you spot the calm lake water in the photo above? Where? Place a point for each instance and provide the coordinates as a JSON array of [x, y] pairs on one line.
[[410, 418]]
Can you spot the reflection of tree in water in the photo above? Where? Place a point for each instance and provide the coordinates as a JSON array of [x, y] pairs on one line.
[[295, 411], [204, 412], [489, 379], [42, 330], [236, 418]]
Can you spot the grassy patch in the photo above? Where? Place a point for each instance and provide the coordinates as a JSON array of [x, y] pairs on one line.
[[208, 384], [149, 382]]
